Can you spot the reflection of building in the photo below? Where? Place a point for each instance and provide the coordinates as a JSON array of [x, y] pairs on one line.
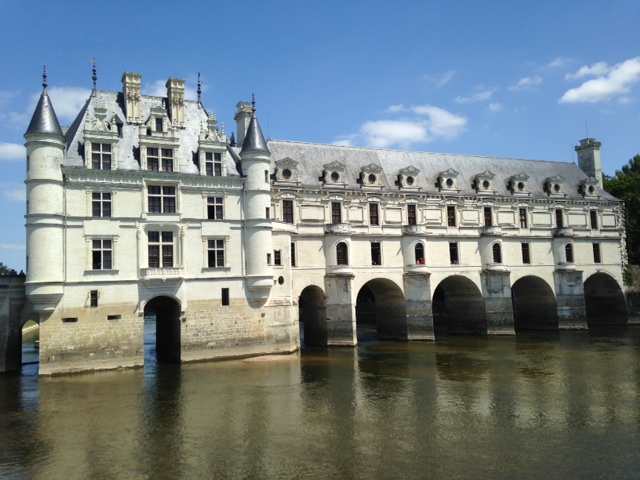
[[144, 204]]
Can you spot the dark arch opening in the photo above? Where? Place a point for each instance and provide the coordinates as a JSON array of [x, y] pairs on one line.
[[30, 342], [534, 305], [604, 301], [312, 315], [458, 308], [380, 302], [162, 321]]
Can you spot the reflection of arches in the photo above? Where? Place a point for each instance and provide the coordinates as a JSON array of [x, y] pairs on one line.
[[167, 314], [312, 314], [534, 304], [381, 302], [604, 301], [458, 307], [342, 254]]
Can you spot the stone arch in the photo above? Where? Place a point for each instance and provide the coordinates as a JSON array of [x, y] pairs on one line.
[[381, 302], [419, 253], [604, 301], [342, 254], [496, 252], [312, 315], [534, 304], [167, 311], [458, 307]]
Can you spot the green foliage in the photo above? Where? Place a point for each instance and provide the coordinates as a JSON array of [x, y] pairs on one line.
[[625, 185], [628, 276], [4, 270]]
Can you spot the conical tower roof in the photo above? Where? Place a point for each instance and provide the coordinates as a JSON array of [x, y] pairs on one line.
[[44, 120], [254, 140]]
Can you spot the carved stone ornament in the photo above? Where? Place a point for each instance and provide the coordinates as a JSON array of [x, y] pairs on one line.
[[448, 179], [334, 173], [408, 178]]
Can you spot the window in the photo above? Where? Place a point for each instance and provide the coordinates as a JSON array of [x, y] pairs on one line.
[[342, 254], [277, 257], [523, 218], [160, 249], [101, 156], [594, 219], [287, 211], [497, 253], [267, 213], [293, 254], [336, 213], [225, 297], [453, 253], [213, 164], [93, 298], [266, 176], [451, 216], [160, 159], [526, 253], [158, 125], [215, 210], [559, 222], [373, 214], [102, 254], [376, 258], [162, 199], [596, 253], [568, 252], [411, 215], [268, 259], [100, 204], [487, 217], [215, 253], [419, 253]]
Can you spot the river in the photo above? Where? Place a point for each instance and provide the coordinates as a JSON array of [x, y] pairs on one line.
[[560, 405]]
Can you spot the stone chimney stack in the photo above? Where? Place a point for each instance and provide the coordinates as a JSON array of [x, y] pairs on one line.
[[243, 118], [131, 83], [589, 158], [175, 97]]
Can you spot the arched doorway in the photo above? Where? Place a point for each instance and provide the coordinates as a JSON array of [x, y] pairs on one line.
[[534, 305], [30, 342], [380, 302], [312, 314], [162, 317], [458, 308], [604, 301]]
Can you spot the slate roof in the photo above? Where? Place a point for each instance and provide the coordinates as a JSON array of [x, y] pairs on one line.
[[44, 120]]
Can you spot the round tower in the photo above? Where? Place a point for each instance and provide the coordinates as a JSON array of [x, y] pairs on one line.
[[45, 206], [255, 158]]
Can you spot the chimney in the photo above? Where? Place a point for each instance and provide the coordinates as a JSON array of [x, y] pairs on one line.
[[589, 158], [175, 97], [242, 118], [131, 90]]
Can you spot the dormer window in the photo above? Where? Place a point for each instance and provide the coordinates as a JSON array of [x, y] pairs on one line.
[[484, 182], [286, 170], [334, 174], [159, 125], [408, 178], [448, 179], [554, 185], [101, 139], [101, 156], [371, 176], [160, 159], [518, 184], [588, 187]]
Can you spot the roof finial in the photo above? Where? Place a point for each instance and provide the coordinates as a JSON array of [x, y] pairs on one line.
[[44, 76], [94, 77], [253, 102], [199, 90]]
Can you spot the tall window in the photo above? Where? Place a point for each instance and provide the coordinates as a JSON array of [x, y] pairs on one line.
[[277, 257], [487, 217], [568, 252], [336, 213], [497, 253], [93, 298], [559, 220], [162, 199], [215, 208], [101, 204], [453, 253], [451, 216], [224, 297], [160, 159], [293, 254], [419, 253], [213, 164], [411, 214], [102, 254], [160, 249], [526, 253], [594, 219], [158, 125], [596, 253], [376, 257], [342, 254], [287, 211], [373, 214], [101, 156], [215, 253], [523, 218]]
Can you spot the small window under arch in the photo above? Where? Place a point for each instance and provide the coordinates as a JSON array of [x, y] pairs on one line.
[[419, 253], [342, 254], [568, 252], [497, 253]]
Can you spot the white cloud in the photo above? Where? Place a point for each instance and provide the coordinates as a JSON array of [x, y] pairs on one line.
[[440, 79], [615, 80], [12, 151], [159, 89], [387, 133], [440, 122], [526, 83], [559, 62], [67, 101], [595, 70], [480, 96], [344, 142]]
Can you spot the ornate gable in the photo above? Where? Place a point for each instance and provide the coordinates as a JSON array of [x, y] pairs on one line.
[[448, 180], [371, 176], [408, 178], [286, 170], [334, 174]]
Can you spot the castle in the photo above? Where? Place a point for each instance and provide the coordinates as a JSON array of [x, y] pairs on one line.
[[144, 206]]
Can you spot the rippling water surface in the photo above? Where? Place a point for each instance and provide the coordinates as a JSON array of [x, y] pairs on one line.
[[532, 406]]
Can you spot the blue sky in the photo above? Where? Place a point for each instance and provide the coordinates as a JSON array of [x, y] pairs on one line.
[[502, 78]]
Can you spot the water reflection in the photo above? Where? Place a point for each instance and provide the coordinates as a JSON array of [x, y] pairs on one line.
[[563, 405]]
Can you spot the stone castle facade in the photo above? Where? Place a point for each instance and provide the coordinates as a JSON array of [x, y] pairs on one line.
[[145, 206]]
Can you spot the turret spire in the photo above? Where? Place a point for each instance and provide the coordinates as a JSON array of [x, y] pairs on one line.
[[44, 120], [199, 90], [94, 77], [254, 139], [44, 76]]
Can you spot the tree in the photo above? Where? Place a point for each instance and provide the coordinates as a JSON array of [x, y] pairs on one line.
[[625, 185], [4, 270]]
